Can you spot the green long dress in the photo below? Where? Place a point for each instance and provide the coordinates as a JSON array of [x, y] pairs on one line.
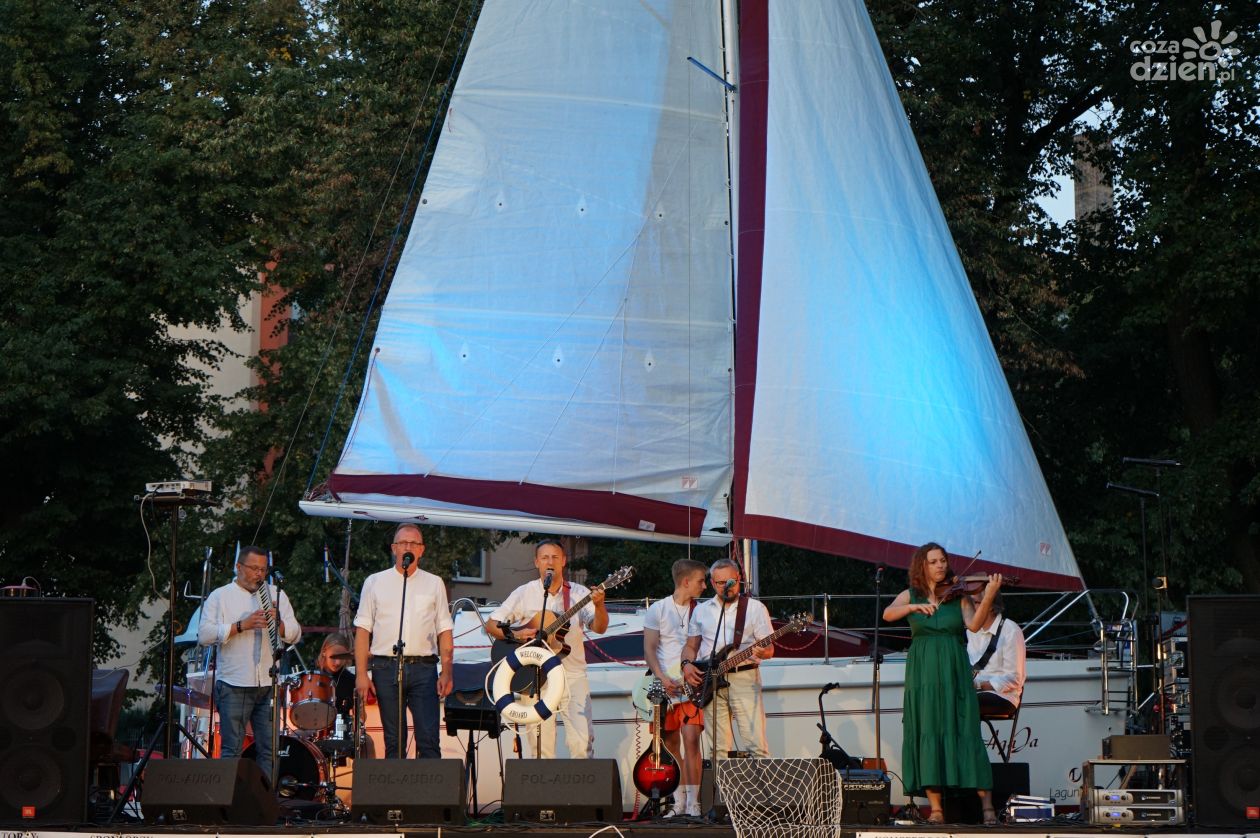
[[941, 745]]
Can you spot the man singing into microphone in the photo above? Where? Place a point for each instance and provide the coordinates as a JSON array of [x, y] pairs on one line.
[[523, 605], [744, 622], [426, 635]]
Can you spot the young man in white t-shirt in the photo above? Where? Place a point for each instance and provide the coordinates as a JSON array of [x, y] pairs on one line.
[[664, 634], [521, 606]]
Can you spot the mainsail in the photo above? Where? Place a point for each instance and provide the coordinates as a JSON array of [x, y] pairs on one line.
[[560, 351]]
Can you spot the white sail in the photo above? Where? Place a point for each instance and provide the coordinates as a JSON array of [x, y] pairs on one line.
[[557, 349], [878, 414]]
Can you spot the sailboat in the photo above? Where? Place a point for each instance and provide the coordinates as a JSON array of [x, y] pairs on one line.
[[680, 275]]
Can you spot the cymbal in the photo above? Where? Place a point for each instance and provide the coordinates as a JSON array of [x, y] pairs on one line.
[[342, 656], [185, 695]]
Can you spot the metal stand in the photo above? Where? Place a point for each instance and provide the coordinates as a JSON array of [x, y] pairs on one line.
[[710, 677], [877, 658], [398, 655]]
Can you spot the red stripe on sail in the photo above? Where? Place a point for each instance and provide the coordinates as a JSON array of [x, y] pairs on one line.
[[754, 87], [895, 554], [596, 507]]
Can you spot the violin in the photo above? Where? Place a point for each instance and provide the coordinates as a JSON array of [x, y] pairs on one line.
[[961, 586]]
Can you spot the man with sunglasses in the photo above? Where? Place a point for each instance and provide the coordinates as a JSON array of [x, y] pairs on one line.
[[744, 621]]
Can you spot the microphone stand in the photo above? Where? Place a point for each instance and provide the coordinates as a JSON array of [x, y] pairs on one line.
[[538, 676], [831, 750], [398, 655], [710, 677], [877, 657], [276, 654]]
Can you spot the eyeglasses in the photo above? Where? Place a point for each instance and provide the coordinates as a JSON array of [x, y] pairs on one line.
[[409, 544], [254, 567]]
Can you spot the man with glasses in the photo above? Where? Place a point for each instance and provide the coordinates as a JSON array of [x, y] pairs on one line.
[[233, 618], [738, 705], [426, 635]]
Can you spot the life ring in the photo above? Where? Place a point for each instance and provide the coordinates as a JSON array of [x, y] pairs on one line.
[[523, 711]]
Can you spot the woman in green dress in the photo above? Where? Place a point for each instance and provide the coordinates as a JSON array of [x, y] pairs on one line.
[[941, 746]]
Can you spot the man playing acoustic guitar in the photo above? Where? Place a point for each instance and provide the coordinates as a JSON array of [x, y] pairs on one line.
[[519, 615], [744, 622]]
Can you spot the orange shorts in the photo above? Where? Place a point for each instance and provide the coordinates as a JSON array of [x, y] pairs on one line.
[[683, 713]]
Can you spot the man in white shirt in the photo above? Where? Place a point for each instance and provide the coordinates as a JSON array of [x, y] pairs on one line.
[[233, 618], [664, 634], [1000, 679], [738, 705], [522, 606], [426, 635]]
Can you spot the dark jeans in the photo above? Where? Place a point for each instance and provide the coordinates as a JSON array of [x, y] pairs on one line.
[[419, 695], [238, 705]]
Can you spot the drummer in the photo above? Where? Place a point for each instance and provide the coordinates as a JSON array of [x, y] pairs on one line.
[[334, 658]]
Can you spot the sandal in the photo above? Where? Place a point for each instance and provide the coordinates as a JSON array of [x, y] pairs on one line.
[[937, 816], [990, 817]]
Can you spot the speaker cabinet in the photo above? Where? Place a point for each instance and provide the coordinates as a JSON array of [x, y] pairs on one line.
[[397, 791], [561, 790], [207, 791], [708, 803], [44, 708], [963, 805], [866, 796], [1224, 714]]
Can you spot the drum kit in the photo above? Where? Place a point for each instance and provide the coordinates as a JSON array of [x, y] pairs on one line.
[[317, 744]]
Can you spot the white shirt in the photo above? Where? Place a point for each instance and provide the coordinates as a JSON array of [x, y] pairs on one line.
[[704, 621], [669, 619], [1005, 670], [525, 602], [428, 612], [244, 659]]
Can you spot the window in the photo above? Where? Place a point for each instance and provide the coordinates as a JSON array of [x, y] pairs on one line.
[[472, 569]]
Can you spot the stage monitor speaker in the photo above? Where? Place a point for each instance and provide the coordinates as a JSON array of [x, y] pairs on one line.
[[561, 790], [44, 708], [207, 791], [419, 791], [1224, 716]]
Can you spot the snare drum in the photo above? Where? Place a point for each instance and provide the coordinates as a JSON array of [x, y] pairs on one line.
[[311, 701], [301, 768]]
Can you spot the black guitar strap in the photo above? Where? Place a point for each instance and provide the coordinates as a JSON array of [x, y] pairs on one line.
[[741, 612], [990, 649]]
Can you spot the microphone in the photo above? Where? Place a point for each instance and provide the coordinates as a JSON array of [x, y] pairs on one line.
[[834, 685], [1133, 490], [408, 559], [278, 576], [548, 577], [879, 571], [728, 584]]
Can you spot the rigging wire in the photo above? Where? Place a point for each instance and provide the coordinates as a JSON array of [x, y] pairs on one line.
[[356, 274]]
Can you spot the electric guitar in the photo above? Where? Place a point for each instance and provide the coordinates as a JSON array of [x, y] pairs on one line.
[[724, 661], [553, 627], [656, 773]]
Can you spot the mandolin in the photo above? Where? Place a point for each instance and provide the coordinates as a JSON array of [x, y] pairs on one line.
[[656, 774]]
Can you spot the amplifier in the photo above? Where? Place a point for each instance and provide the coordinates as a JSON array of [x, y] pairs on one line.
[[1134, 797], [866, 795], [1102, 815], [1137, 747]]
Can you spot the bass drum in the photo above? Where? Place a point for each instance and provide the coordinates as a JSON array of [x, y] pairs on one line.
[[301, 770]]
